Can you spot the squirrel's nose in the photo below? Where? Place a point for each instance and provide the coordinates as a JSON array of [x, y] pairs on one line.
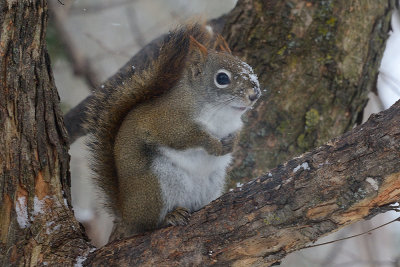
[[255, 96]]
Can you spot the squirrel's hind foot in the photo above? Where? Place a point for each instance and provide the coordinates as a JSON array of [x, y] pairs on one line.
[[179, 216]]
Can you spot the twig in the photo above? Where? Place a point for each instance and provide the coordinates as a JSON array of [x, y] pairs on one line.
[[105, 48], [352, 236]]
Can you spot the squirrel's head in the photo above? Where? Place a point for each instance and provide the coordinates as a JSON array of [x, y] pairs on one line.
[[221, 77]]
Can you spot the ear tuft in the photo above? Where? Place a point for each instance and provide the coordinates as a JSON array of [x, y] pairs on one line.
[[221, 45], [197, 55], [195, 45]]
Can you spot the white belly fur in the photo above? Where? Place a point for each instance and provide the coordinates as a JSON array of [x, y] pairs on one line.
[[191, 178]]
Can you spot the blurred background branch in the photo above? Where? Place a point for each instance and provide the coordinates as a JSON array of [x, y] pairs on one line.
[[80, 63]]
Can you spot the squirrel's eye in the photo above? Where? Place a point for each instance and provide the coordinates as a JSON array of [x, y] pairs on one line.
[[222, 78]]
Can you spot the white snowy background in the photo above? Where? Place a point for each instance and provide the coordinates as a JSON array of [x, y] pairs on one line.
[[109, 32], [389, 78]]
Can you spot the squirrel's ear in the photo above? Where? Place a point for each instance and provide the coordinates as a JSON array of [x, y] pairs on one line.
[[195, 46], [197, 54], [221, 45]]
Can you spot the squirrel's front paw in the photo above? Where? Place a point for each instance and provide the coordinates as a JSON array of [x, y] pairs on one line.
[[228, 142], [179, 216]]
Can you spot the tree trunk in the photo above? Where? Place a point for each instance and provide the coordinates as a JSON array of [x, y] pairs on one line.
[[36, 221], [348, 179], [317, 61]]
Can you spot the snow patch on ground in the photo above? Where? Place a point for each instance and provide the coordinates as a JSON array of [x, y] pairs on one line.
[[79, 261], [50, 227], [38, 205], [303, 165], [373, 183], [22, 212]]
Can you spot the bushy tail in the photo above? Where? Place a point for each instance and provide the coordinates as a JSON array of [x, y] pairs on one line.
[[109, 107]]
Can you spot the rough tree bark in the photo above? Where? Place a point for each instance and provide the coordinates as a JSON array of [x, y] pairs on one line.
[[350, 178], [37, 224], [318, 60]]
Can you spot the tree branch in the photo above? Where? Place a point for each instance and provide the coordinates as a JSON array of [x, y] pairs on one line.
[[350, 178]]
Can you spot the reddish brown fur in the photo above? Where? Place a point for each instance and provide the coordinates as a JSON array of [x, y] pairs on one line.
[[165, 106], [202, 48], [221, 44], [105, 117]]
